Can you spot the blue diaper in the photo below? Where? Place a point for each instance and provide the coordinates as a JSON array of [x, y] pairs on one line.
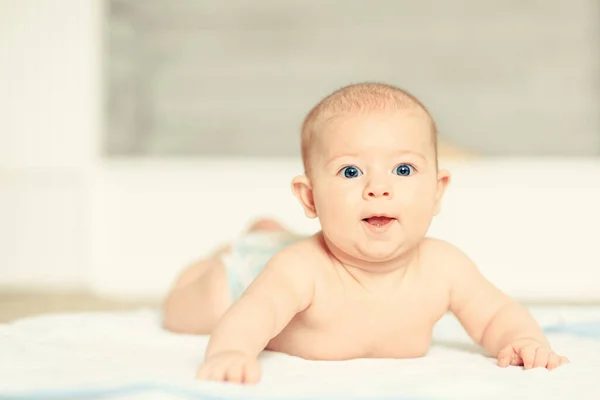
[[249, 254]]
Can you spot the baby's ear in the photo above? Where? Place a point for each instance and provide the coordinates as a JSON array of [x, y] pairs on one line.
[[303, 191], [443, 179]]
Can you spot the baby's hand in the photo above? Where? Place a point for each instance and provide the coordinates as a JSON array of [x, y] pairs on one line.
[[231, 366], [530, 353]]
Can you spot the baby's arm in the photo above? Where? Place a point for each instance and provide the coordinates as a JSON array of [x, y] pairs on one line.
[[284, 288], [503, 327]]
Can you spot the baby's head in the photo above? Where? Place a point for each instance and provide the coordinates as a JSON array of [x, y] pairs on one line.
[[362, 98], [371, 172]]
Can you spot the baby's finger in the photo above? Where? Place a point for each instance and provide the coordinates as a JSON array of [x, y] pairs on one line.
[[516, 360], [541, 358], [528, 355], [217, 373], [553, 361], [202, 373], [252, 372], [235, 373], [505, 356], [563, 361]]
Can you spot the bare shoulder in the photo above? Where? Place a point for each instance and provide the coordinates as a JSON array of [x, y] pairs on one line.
[[309, 261], [446, 259], [305, 255], [300, 260], [290, 275]]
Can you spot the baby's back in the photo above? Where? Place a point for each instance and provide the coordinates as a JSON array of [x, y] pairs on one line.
[[346, 320]]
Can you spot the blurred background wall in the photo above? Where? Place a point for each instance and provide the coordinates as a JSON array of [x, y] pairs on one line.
[[236, 77], [50, 118], [136, 135]]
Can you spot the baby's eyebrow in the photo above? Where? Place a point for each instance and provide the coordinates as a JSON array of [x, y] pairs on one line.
[[355, 155], [414, 153], [338, 156]]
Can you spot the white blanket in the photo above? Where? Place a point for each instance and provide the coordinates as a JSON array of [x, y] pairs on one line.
[[128, 356]]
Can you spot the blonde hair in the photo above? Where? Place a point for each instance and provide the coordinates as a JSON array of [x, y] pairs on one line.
[[360, 97]]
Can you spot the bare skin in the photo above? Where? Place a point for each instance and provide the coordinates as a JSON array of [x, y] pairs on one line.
[[370, 283], [204, 285], [341, 316]]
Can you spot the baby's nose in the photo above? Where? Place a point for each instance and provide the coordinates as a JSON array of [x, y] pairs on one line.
[[379, 193]]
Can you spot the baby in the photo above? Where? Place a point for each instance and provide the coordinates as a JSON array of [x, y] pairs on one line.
[[370, 283]]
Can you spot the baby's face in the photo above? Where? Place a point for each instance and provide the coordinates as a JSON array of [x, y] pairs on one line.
[[375, 182]]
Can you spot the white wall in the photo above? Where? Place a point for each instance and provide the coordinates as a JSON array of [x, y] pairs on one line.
[[530, 224], [151, 219], [49, 122]]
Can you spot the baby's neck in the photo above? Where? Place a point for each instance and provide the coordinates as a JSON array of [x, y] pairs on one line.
[[374, 275]]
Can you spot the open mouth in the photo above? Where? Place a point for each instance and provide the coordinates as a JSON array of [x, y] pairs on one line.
[[378, 220]]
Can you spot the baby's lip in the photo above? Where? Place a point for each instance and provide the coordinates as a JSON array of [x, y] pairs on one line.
[[379, 221], [378, 216]]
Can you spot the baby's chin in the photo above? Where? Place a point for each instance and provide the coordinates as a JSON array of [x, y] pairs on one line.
[[371, 252], [378, 252], [354, 250]]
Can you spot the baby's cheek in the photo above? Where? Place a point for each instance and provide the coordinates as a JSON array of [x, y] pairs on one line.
[[416, 211], [332, 198], [336, 213], [334, 210], [326, 209], [416, 196]]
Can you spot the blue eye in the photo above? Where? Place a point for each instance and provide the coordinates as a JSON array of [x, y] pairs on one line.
[[351, 172], [404, 170]]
